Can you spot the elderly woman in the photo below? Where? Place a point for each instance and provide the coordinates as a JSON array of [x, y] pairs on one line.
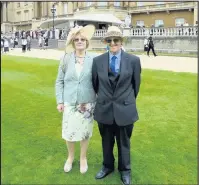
[[75, 95]]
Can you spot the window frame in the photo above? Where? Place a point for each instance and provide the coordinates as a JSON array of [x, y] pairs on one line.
[[179, 19], [26, 15], [159, 24], [139, 24], [65, 8]]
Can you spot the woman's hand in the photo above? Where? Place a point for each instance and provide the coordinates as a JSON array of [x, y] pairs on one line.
[[60, 107]]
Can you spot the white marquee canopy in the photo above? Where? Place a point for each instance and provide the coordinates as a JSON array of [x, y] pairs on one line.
[[104, 18]]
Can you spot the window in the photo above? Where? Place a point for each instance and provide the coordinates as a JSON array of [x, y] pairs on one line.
[[18, 16], [65, 8], [159, 23], [179, 21], [117, 3], [18, 5], [139, 3], [140, 23], [101, 3], [88, 3], [26, 15]]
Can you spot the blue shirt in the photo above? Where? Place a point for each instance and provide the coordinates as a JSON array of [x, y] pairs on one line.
[[117, 61]]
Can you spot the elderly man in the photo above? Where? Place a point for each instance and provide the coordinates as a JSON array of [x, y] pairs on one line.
[[116, 80]]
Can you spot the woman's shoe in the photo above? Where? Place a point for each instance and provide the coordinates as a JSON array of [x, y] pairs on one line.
[[83, 169], [67, 167]]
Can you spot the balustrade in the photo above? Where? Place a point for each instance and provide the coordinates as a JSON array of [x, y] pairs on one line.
[[159, 32]]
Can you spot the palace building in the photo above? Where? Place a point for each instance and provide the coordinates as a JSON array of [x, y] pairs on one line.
[[32, 15]]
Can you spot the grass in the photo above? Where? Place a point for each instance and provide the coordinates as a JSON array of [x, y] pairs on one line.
[[163, 144]]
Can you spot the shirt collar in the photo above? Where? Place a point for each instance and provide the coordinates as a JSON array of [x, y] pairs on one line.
[[117, 55]]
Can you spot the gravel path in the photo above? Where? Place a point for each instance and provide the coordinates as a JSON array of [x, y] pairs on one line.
[[169, 63]]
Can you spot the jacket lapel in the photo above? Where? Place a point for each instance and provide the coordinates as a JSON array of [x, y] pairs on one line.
[[72, 60], [105, 66]]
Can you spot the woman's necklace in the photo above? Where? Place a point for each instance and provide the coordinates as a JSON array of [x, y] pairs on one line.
[[79, 60]]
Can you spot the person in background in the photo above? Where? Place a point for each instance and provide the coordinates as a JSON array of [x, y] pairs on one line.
[[146, 45], [28, 43], [186, 30], [2, 45], [45, 42], [40, 41], [196, 25], [24, 44], [151, 45], [6, 45], [11, 43], [15, 42]]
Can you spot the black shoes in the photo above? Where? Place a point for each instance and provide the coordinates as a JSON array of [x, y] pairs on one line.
[[126, 179], [103, 173], [125, 176]]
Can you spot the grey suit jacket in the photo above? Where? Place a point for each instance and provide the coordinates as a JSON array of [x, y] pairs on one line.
[[69, 88], [118, 105]]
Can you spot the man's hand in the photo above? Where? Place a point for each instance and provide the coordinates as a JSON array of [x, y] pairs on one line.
[[60, 107]]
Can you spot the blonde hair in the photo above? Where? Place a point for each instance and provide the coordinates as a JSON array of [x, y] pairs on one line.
[[87, 42]]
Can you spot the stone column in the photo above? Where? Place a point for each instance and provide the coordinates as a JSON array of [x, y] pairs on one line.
[[79, 4], [4, 12], [132, 4], [126, 4], [74, 6], [45, 8], [70, 7], [195, 13], [42, 9], [111, 4], [35, 10]]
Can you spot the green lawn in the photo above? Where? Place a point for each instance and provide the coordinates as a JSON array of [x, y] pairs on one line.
[[164, 140]]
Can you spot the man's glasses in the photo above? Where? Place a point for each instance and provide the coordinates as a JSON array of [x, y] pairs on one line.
[[77, 40], [115, 40]]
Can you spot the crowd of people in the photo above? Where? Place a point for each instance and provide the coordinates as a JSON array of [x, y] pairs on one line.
[[12, 42], [35, 34]]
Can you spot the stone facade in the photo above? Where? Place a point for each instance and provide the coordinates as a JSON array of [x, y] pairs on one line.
[[29, 15]]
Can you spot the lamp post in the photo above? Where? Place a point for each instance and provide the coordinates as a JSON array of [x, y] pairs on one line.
[[53, 10]]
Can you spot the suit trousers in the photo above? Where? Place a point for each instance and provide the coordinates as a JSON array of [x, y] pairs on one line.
[[122, 135]]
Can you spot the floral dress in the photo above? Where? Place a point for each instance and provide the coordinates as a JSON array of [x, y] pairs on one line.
[[77, 123]]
